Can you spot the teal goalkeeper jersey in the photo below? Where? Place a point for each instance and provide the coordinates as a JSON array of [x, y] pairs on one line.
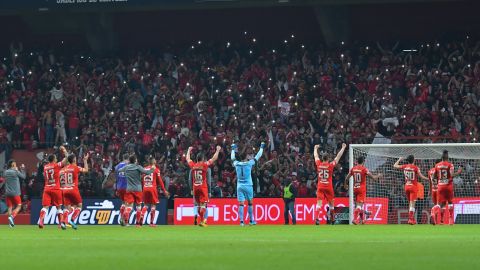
[[244, 169]]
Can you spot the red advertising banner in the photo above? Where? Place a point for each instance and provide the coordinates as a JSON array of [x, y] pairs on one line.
[[270, 211]]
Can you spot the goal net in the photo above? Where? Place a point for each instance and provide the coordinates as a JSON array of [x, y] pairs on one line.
[[386, 201]]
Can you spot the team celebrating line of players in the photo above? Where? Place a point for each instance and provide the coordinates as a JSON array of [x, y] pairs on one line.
[[136, 185]]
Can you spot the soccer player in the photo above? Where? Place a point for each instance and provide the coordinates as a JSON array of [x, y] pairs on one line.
[[133, 194], [121, 186], [195, 208], [435, 213], [360, 173], [72, 201], [199, 180], [325, 184], [411, 173], [12, 190], [150, 193], [52, 195], [445, 175], [243, 168]]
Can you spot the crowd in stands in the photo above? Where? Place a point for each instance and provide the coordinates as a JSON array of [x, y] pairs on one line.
[[292, 96]]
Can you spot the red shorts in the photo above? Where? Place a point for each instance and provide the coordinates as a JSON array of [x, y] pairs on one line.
[[52, 197], [71, 197], [121, 194], [150, 196], [411, 192], [133, 197], [13, 201], [325, 193], [200, 195], [445, 194], [359, 195], [434, 196]]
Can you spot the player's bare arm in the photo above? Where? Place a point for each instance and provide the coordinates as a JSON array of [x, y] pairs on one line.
[[85, 164], [422, 176], [347, 178], [397, 164], [459, 171], [215, 156], [315, 152], [188, 154], [374, 176], [65, 155], [340, 154]]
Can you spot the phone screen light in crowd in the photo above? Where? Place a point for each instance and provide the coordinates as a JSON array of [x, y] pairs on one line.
[[254, 40], [124, 82], [138, 132], [332, 110], [76, 138], [215, 138], [323, 112], [294, 73], [84, 100], [81, 57], [245, 33], [193, 47], [125, 133], [285, 41], [29, 72], [436, 71], [258, 116], [31, 54], [378, 78], [188, 84], [250, 52], [229, 90], [241, 96], [264, 104], [112, 113], [251, 107], [216, 90], [343, 42], [235, 118], [191, 97], [273, 51], [296, 103], [438, 44], [127, 118], [249, 86], [50, 70], [269, 79], [166, 133], [234, 104], [403, 66], [428, 45], [468, 65], [16, 54], [404, 116], [262, 96], [181, 64], [386, 70], [4, 59], [228, 44], [341, 126], [141, 77], [303, 46], [410, 50], [199, 42], [213, 77], [292, 36]]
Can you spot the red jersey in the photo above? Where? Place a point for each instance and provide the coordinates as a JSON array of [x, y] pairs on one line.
[[410, 173], [199, 173], [71, 173], [359, 174], [51, 173], [444, 173], [325, 173], [153, 180], [63, 183], [432, 176]]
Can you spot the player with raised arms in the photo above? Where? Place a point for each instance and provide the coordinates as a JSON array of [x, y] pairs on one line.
[[435, 212], [360, 173], [72, 200], [52, 195], [199, 180], [134, 194], [324, 185], [195, 207], [411, 174], [445, 175], [243, 169], [150, 193]]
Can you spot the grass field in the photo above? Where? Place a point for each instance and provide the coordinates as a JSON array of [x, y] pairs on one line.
[[231, 247]]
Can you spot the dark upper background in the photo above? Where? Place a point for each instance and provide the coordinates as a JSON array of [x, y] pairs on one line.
[[148, 23]]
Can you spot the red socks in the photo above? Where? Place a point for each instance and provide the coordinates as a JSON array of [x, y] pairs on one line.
[[76, 213], [201, 213], [356, 214], [152, 216], [43, 212], [139, 216], [14, 214], [122, 210], [450, 210], [144, 211], [126, 215], [446, 215], [65, 215], [60, 217]]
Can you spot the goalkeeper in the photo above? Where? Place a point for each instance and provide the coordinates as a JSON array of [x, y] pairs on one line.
[[243, 169]]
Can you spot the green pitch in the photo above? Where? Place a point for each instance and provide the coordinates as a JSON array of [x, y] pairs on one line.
[[247, 248]]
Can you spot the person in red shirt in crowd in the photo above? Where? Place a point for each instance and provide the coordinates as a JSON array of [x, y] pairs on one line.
[[445, 175], [72, 199], [150, 193], [411, 173], [360, 173], [325, 184], [52, 195]]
